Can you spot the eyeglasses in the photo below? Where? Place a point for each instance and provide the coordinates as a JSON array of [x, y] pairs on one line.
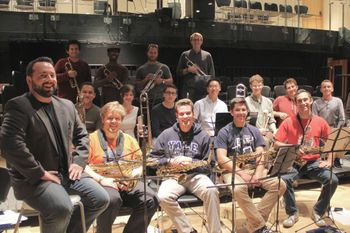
[[170, 93]]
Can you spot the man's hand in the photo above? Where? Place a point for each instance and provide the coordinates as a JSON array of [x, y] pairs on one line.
[[112, 76], [325, 164], [251, 180], [180, 160], [149, 77], [158, 80], [109, 182], [283, 115], [192, 69], [75, 171], [72, 73], [51, 176]]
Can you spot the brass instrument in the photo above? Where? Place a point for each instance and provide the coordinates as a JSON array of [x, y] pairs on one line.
[[79, 105], [191, 63], [124, 172], [144, 131], [115, 81], [243, 159], [299, 161], [72, 81], [179, 173], [267, 118], [150, 84]]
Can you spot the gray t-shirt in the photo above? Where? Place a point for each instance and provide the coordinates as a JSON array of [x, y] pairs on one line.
[[93, 118], [147, 68], [332, 111]]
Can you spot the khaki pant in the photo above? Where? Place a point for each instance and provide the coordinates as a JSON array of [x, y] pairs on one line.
[[170, 190], [257, 216]]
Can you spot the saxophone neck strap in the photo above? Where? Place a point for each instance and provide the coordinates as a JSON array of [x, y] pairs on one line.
[[118, 153]]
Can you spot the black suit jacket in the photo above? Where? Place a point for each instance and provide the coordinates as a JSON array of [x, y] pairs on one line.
[[28, 142]]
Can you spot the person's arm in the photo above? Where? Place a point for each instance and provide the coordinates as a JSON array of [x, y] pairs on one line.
[[181, 69], [341, 121], [211, 68], [347, 110], [100, 79], [13, 143]]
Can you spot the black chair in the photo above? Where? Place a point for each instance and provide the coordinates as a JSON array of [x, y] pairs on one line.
[[308, 88], [266, 91], [279, 90], [286, 11], [221, 3], [301, 9], [271, 9]]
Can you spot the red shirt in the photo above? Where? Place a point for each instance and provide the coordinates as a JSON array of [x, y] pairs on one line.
[[286, 105], [291, 131]]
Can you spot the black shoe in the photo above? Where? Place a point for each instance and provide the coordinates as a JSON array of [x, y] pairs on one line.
[[337, 163]]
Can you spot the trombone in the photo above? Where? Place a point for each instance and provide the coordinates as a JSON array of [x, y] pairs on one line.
[[191, 63], [144, 131], [72, 81], [115, 81], [151, 83]]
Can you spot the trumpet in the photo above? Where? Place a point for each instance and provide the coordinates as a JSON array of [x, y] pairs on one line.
[[191, 63], [115, 81], [151, 83], [72, 81]]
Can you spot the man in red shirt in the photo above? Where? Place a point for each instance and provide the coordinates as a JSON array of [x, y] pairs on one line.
[[70, 68], [285, 106], [307, 131]]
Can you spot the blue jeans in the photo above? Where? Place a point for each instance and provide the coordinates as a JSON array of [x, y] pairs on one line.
[[56, 210], [313, 171]]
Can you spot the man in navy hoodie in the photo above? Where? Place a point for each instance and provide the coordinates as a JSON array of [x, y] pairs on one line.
[[181, 146]]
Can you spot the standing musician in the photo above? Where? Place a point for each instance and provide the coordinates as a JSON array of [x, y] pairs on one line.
[[256, 102], [71, 72], [110, 144], [306, 130], [111, 77], [38, 132], [239, 138], [179, 147], [154, 71], [92, 112], [193, 66], [285, 106]]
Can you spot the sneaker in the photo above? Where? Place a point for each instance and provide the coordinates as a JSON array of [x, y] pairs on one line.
[[263, 230], [318, 219], [337, 163], [290, 221]]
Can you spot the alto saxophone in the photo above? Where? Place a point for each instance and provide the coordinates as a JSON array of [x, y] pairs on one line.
[[243, 159], [180, 173], [299, 161]]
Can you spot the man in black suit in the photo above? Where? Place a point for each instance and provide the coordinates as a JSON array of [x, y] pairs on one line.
[[38, 135]]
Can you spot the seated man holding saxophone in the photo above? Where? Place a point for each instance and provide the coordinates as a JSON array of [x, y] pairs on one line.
[[180, 148], [115, 157], [245, 142]]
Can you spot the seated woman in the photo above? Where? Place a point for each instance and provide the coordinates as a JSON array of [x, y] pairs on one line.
[[128, 125], [110, 145]]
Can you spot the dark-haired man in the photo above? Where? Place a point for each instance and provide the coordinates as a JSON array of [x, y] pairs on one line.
[[38, 133], [111, 77], [147, 72], [307, 131], [92, 112], [163, 114], [205, 109], [70, 68], [241, 139], [185, 144]]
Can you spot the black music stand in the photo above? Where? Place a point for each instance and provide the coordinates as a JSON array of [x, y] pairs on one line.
[[282, 164], [337, 141]]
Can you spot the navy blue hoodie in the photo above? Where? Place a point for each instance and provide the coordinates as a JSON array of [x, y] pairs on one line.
[[172, 142]]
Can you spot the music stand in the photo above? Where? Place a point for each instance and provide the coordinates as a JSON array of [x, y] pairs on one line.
[[337, 141], [282, 164]]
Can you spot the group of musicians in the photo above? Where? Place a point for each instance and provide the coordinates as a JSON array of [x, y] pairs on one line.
[[51, 154]]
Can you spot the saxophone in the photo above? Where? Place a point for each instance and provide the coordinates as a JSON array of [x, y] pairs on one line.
[[126, 171], [243, 159], [180, 173], [299, 161]]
